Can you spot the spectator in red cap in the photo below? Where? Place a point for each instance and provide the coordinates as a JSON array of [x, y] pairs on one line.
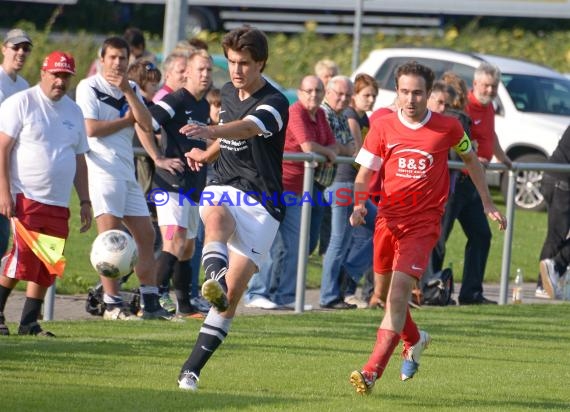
[[43, 141]]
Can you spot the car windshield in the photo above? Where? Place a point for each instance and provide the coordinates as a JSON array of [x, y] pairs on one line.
[[535, 94]]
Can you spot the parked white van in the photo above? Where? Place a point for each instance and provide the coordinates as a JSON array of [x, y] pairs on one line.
[[532, 105]]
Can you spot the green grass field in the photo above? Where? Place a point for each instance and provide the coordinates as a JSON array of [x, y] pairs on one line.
[[508, 358]]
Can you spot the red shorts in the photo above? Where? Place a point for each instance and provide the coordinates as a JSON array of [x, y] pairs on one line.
[[405, 246], [22, 263]]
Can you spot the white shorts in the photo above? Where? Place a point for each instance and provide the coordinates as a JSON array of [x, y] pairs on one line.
[[119, 198], [174, 213], [255, 227]]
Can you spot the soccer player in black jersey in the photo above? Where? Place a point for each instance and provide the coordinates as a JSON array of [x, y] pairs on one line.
[[241, 206]]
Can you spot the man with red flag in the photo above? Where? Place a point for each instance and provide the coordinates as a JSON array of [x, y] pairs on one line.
[[42, 146]]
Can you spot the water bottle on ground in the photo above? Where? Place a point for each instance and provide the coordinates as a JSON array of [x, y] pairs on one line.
[[518, 287]]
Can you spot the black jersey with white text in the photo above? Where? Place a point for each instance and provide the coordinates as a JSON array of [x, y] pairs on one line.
[[254, 165], [172, 112]]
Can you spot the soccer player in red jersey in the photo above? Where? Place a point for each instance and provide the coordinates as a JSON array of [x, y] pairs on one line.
[[409, 148]]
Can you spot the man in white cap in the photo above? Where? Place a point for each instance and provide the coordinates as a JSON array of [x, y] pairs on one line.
[[42, 146], [16, 48]]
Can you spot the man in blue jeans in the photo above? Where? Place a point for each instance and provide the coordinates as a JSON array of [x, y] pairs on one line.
[[358, 261], [338, 94], [307, 131]]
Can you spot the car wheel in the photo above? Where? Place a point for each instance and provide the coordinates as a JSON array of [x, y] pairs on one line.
[[200, 19], [527, 186]]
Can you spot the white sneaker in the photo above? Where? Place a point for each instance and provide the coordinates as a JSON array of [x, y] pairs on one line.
[[261, 303], [412, 356], [354, 300], [291, 306], [119, 314], [188, 381], [550, 278], [541, 293]]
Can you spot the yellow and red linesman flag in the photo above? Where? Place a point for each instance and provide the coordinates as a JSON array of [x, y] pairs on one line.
[[49, 249]]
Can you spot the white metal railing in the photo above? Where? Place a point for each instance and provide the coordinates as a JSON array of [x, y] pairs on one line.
[[510, 212], [310, 162]]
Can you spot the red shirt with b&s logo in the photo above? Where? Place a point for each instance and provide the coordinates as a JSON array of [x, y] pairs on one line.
[[412, 162]]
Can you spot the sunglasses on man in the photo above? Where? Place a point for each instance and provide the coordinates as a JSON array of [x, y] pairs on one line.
[[24, 46]]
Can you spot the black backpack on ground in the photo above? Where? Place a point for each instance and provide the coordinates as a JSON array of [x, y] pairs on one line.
[[437, 289], [96, 306]]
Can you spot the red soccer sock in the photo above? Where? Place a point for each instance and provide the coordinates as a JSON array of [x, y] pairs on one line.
[[386, 342], [410, 334]]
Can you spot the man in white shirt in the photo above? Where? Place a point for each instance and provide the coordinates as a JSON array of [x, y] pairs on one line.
[[42, 146], [113, 109], [16, 48]]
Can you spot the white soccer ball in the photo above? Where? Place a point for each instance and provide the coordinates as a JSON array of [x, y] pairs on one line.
[[114, 253]]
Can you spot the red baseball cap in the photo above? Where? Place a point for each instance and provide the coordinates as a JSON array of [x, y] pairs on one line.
[[58, 62]]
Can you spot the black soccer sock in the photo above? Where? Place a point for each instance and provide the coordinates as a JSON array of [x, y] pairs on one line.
[[31, 311], [215, 261], [181, 279], [4, 293], [212, 333], [149, 296], [164, 268]]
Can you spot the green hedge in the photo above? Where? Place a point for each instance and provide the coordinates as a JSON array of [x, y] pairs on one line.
[[291, 57]]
